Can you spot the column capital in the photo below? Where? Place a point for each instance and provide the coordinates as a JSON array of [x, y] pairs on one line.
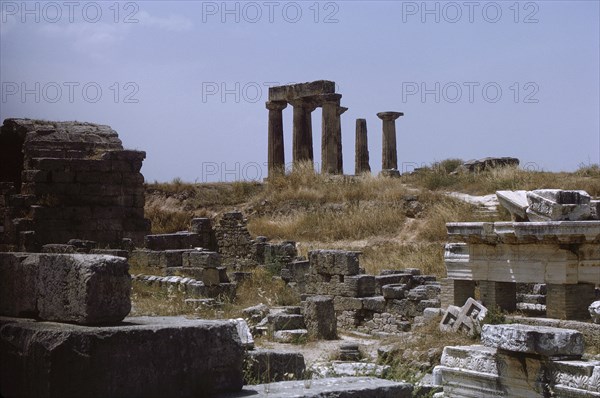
[[389, 115], [276, 105], [309, 103], [323, 98]]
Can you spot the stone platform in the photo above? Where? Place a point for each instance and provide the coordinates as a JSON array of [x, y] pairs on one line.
[[140, 357]]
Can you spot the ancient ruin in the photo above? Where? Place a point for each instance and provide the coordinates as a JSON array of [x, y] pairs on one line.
[[362, 148], [389, 151], [305, 98], [564, 255], [68, 180]]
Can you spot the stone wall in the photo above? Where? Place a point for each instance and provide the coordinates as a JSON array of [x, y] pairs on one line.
[[381, 304], [66, 180], [234, 241]]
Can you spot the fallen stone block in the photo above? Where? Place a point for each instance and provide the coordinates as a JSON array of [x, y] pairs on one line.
[[244, 332], [515, 202], [392, 279], [466, 319], [394, 291], [541, 340], [58, 248], [290, 336], [342, 387], [557, 205], [530, 309], [283, 321], [594, 309], [424, 292], [179, 240], [264, 366], [319, 317], [348, 369], [80, 288], [142, 357]]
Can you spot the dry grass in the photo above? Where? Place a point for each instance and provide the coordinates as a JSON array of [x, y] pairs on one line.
[[152, 300], [507, 178]]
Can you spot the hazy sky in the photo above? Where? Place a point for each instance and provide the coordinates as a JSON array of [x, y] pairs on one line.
[[187, 81]]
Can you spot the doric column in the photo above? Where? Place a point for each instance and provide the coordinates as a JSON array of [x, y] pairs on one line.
[[389, 156], [302, 139], [276, 156], [330, 104], [338, 135], [361, 160]]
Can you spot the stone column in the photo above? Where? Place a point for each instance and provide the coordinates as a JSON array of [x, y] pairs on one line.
[[569, 301], [329, 130], [340, 156], [456, 292], [276, 156], [302, 139], [501, 294], [389, 156], [361, 160]]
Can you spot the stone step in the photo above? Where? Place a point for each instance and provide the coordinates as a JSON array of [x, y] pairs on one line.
[[531, 298]]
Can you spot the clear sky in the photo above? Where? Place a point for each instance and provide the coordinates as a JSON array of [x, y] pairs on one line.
[[187, 81]]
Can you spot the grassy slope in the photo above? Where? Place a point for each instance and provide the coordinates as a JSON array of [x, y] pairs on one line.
[[364, 213]]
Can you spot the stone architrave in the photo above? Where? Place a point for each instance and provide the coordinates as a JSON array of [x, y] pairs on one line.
[[389, 158], [541, 340], [362, 148], [276, 150]]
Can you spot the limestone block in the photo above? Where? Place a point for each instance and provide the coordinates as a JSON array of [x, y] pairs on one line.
[[348, 369], [283, 321], [375, 304], [180, 240], [449, 318], [424, 292], [334, 262], [541, 340], [290, 336], [404, 307], [201, 258], [594, 309], [243, 331], [595, 209], [348, 387], [319, 317], [394, 291], [79, 288], [515, 202], [211, 276], [557, 204], [399, 278], [140, 358], [264, 366], [170, 258], [360, 285], [347, 303]]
